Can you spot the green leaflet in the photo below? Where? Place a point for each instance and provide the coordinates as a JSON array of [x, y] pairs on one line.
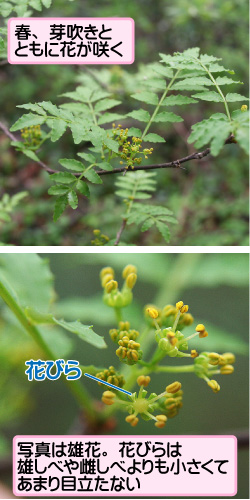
[[27, 120], [136, 132], [236, 97], [109, 117], [141, 114], [167, 117], [87, 157], [149, 215], [153, 138], [92, 176], [72, 199], [33, 107], [105, 104], [83, 188], [177, 100], [72, 164], [32, 281], [58, 129], [215, 130], [147, 97], [63, 177], [209, 96], [60, 205], [85, 332]]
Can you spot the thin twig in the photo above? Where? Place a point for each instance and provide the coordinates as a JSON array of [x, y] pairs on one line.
[[171, 164], [118, 236]]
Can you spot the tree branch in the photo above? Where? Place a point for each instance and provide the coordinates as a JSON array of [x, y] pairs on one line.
[[198, 155], [118, 236]]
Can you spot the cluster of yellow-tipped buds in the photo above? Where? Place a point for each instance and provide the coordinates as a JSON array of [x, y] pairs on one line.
[[100, 239], [123, 331], [31, 135], [108, 398], [167, 316], [173, 401], [129, 351], [113, 297], [111, 376]]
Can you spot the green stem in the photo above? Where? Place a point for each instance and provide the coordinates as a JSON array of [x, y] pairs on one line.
[[218, 89], [118, 314], [175, 369], [78, 391], [159, 104]]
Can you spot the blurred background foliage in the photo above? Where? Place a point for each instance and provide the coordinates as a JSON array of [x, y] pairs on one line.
[[209, 198], [214, 285]]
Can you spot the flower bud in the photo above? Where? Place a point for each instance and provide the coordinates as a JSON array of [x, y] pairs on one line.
[[194, 353], [243, 107], [108, 277], [227, 358], [107, 270], [152, 312], [128, 270], [161, 421], [214, 385], [174, 387], [108, 398], [143, 380], [110, 286], [131, 280], [214, 358], [227, 369], [132, 420]]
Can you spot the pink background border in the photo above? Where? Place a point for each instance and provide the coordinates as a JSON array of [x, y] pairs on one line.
[[56, 62], [97, 494]]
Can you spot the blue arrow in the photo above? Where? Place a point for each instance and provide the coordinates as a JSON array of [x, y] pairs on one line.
[[106, 383]]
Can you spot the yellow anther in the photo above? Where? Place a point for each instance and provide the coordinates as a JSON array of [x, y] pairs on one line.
[[184, 309], [179, 305], [194, 353], [132, 420], [108, 398], [200, 328], [161, 421], [143, 380], [107, 270], [227, 358], [106, 279], [131, 280], [214, 385], [152, 312], [97, 232], [124, 325], [227, 369], [110, 286], [244, 107], [214, 358], [174, 387], [128, 270]]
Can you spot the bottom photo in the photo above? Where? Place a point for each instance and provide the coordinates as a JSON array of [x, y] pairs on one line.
[[136, 347]]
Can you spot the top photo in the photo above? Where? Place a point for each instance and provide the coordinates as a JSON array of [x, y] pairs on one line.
[[124, 123]]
